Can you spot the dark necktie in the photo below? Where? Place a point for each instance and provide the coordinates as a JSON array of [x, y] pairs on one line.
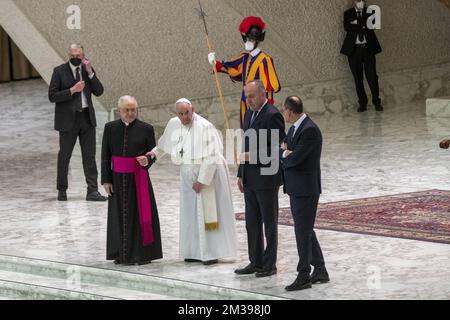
[[291, 133], [255, 114], [360, 22], [78, 103]]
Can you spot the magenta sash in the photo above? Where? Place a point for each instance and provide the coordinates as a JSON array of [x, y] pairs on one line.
[[130, 165]]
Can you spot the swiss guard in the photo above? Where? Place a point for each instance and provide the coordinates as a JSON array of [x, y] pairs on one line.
[[253, 64]]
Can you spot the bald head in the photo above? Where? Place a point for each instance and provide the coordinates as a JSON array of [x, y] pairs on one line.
[[255, 94]]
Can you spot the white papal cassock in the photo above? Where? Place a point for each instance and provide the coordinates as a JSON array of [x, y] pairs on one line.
[[207, 221]]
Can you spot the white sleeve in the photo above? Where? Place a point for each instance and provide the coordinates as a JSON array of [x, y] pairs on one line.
[[207, 171], [158, 152]]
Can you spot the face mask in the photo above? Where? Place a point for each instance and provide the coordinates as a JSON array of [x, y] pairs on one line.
[[360, 5], [249, 46], [75, 61]]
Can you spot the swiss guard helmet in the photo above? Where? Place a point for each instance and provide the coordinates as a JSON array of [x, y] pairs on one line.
[[253, 28]]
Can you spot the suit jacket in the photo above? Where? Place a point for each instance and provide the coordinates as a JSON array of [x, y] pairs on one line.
[[59, 93], [269, 119], [301, 169], [354, 29]]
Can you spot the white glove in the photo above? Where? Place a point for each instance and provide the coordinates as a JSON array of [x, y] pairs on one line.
[[212, 58]]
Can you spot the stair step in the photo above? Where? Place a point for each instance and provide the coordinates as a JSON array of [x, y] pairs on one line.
[[95, 283], [25, 291], [29, 286]]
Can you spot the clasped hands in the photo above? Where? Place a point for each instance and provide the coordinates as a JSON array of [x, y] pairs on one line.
[[284, 147], [197, 187], [143, 160]]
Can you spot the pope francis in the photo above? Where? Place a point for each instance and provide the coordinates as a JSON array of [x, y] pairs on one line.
[[207, 222]]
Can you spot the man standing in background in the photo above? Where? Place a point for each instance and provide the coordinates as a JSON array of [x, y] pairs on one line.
[[360, 46], [71, 89]]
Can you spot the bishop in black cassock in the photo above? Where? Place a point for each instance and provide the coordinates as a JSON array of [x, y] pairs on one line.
[[129, 138]]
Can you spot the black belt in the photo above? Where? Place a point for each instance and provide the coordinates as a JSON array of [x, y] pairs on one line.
[[83, 109], [361, 45]]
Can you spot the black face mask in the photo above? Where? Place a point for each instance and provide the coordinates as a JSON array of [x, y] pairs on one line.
[[75, 61]]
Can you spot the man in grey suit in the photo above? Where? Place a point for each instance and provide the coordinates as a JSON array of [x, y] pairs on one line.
[[71, 89]]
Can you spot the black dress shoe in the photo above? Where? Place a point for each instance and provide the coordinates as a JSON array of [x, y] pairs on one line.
[[362, 109], [95, 196], [117, 261], [301, 283], [62, 196], [210, 262], [266, 273], [320, 275], [379, 108], [247, 270], [192, 260]]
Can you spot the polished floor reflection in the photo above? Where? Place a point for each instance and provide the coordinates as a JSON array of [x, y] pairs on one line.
[[364, 155]]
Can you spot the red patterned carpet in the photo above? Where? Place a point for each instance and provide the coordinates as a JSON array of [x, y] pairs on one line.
[[420, 216]]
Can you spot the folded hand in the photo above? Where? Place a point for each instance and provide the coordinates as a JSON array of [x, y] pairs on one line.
[[197, 187], [143, 161]]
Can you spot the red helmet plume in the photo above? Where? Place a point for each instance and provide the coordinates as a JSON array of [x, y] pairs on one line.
[[250, 22]]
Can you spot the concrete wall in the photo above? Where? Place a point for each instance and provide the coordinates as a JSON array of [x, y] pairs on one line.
[[156, 49]]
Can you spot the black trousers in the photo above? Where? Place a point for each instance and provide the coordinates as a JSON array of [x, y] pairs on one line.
[[83, 130], [261, 212], [304, 211], [363, 62]]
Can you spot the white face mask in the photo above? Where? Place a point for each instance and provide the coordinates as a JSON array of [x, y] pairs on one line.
[[360, 5], [249, 46]]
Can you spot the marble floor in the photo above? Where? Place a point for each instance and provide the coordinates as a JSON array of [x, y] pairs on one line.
[[364, 155]]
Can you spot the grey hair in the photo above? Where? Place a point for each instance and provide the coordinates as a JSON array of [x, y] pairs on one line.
[[76, 46], [125, 100]]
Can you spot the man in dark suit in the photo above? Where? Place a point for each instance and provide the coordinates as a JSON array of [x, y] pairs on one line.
[[360, 46], [260, 179], [71, 89], [300, 157]]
